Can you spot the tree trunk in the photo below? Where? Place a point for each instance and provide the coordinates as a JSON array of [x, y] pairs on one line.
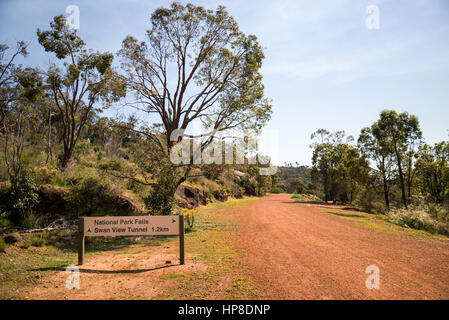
[[49, 153], [326, 189], [401, 179], [66, 157], [409, 180], [386, 191]]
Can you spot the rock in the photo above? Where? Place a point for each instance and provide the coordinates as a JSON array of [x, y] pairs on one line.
[[182, 203], [250, 190], [127, 206], [249, 186], [220, 195], [238, 194], [12, 237], [191, 197], [239, 174], [53, 200]]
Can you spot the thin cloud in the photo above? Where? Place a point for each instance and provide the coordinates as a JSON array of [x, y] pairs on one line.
[[308, 69]]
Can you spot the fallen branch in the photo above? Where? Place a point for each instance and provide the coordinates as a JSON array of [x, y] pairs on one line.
[[59, 224]]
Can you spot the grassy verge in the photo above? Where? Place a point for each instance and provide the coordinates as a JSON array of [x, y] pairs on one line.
[[305, 197], [379, 222], [210, 244], [25, 264]]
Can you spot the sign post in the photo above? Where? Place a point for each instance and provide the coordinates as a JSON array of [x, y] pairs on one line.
[[181, 239], [130, 226], [81, 241]]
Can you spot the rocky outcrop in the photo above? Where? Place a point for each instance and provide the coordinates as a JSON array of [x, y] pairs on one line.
[[12, 237], [238, 174], [220, 195], [191, 197], [52, 199], [250, 189]]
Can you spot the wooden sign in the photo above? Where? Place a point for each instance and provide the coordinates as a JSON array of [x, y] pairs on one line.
[[130, 226]]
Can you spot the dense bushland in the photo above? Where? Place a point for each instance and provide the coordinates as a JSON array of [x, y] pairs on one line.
[[61, 158]]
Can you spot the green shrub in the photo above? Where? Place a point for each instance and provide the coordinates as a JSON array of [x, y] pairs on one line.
[[277, 190], [368, 200], [161, 200], [32, 220], [92, 196], [2, 245], [35, 240], [189, 216], [306, 197], [48, 175], [424, 216], [22, 197], [4, 223]]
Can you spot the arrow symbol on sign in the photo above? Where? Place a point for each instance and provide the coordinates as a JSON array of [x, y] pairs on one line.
[[88, 230], [173, 220]]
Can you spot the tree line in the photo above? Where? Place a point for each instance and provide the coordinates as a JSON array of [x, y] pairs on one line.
[[389, 161]]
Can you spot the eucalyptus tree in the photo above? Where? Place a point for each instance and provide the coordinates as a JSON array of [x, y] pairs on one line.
[[432, 169], [401, 133], [9, 91], [83, 80], [413, 135], [195, 65], [18, 88], [8, 72], [373, 145], [337, 165]]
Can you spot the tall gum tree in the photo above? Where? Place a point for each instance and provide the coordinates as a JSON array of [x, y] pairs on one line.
[[82, 81], [13, 113], [194, 65], [372, 144], [401, 132]]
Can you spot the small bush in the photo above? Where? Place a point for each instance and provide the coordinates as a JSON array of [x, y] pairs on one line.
[[32, 220], [35, 240], [48, 175], [306, 197], [368, 200], [92, 196], [161, 199], [2, 245], [277, 190], [22, 197], [189, 215], [424, 216], [4, 223]]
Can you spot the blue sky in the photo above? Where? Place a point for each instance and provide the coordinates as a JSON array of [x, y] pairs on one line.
[[323, 67]]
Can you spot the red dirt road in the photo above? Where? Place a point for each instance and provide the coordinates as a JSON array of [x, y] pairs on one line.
[[295, 251]]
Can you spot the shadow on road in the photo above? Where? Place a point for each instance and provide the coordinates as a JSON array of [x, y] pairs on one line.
[[346, 215], [107, 271]]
